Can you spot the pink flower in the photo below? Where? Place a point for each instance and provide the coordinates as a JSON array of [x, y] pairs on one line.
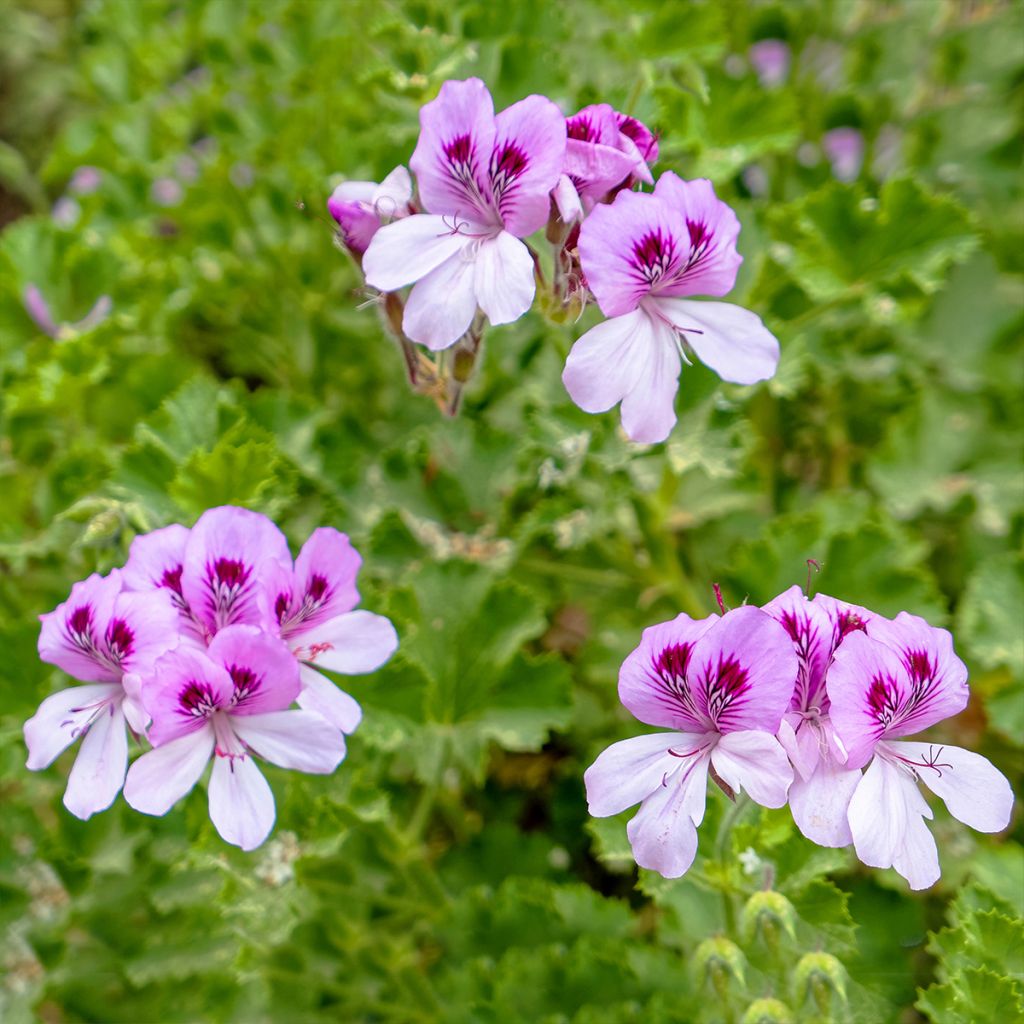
[[603, 151], [228, 703], [894, 680], [844, 148], [361, 207], [723, 685], [641, 255], [485, 182], [313, 608], [823, 785], [106, 637], [771, 58]]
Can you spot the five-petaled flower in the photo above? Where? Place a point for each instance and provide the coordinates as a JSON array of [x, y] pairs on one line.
[[107, 638], [484, 180], [642, 255], [228, 703], [723, 684], [894, 680]]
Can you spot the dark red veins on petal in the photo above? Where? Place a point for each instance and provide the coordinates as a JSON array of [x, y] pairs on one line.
[[726, 685], [282, 606], [580, 127], [654, 255], [317, 588], [231, 573], [920, 666], [847, 622], [508, 162], [668, 673], [633, 129], [197, 700], [120, 640], [172, 579], [807, 688], [80, 620], [247, 684]]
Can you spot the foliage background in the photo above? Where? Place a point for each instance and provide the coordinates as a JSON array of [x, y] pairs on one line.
[[449, 871]]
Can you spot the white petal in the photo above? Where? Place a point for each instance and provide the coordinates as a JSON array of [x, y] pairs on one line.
[[161, 777], [409, 249], [820, 803], [648, 410], [60, 720], [754, 761], [98, 772], [886, 819], [567, 200], [800, 744], [504, 281], [664, 832], [241, 803], [319, 694], [973, 789], [442, 305], [353, 643], [604, 363], [300, 740], [732, 340], [391, 197], [632, 769]]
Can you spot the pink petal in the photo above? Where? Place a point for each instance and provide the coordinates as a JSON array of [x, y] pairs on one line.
[[183, 682], [820, 802], [755, 762], [865, 677], [742, 672], [391, 198], [712, 262], [609, 239], [147, 624], [648, 409], [529, 150], [886, 817], [156, 559], [319, 694], [98, 772], [664, 832], [810, 629], [226, 560], [457, 133], [61, 719], [801, 741], [134, 711], [630, 770], [935, 684], [355, 217], [352, 644], [651, 680], [324, 582], [640, 135], [300, 740], [241, 803], [567, 200], [503, 278], [731, 340], [72, 634], [846, 618], [161, 777], [973, 789], [442, 305], [263, 671]]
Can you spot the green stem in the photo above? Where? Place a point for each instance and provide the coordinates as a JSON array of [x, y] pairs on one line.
[[733, 815]]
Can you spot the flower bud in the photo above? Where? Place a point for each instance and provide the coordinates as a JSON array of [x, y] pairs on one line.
[[767, 914], [819, 976], [719, 961], [767, 1011]]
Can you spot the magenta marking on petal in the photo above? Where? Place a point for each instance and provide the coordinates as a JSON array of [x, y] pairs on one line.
[[80, 620], [580, 127], [810, 696], [317, 588], [654, 255], [847, 622], [508, 163], [726, 686], [230, 572], [120, 640], [172, 579], [668, 673], [247, 684], [197, 700], [919, 665]]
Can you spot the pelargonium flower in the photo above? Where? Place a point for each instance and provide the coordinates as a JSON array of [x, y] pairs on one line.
[[228, 703], [313, 609], [105, 637], [601, 152], [899, 678], [217, 572], [822, 784], [361, 207], [642, 255], [722, 683], [485, 182]]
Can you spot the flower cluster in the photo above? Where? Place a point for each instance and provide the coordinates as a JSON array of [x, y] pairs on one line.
[[791, 702], [202, 643], [486, 182]]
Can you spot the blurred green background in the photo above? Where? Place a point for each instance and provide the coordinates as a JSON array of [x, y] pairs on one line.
[[449, 871]]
